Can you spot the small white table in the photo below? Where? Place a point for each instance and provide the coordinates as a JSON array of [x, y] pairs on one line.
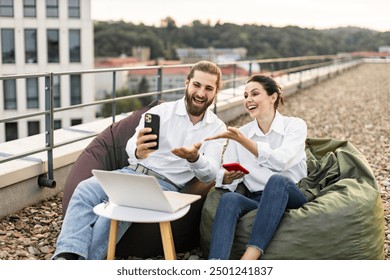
[[129, 214]]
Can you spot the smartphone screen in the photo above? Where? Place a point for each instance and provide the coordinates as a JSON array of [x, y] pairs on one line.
[[153, 121], [234, 166]]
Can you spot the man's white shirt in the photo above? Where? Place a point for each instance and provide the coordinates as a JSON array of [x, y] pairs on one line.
[[176, 130]]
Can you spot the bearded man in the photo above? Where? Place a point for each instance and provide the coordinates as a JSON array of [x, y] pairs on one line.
[[180, 157]]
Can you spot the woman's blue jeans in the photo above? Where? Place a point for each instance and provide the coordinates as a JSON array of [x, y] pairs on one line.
[[280, 193], [83, 232]]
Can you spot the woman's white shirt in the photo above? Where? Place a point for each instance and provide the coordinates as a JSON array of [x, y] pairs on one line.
[[281, 150]]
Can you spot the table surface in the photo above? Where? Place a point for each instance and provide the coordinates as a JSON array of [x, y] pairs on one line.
[[137, 215]]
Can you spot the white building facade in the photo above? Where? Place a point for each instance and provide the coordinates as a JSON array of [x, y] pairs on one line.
[[44, 36]]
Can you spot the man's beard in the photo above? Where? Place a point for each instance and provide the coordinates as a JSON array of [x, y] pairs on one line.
[[195, 110]]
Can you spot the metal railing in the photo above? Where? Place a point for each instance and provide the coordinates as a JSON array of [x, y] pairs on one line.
[[232, 78]]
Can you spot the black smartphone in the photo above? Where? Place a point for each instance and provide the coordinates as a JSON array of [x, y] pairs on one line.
[[234, 166], [153, 121]]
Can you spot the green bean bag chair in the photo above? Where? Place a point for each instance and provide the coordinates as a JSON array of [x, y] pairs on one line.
[[344, 218]]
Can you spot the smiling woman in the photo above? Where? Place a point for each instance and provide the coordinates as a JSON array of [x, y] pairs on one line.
[[271, 147], [342, 220]]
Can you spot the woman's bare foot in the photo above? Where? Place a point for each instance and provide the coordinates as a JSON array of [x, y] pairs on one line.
[[251, 253]]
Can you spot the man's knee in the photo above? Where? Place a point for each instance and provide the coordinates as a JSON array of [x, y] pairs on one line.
[[88, 187]]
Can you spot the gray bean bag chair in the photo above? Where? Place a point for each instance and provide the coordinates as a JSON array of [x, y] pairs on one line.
[[107, 152], [344, 218]]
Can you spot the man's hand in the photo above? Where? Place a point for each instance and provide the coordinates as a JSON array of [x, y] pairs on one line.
[[191, 154], [143, 149]]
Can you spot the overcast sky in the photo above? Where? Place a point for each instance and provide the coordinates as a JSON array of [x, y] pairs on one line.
[[318, 14]]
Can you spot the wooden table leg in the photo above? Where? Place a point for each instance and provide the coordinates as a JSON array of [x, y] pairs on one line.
[[167, 241], [112, 240]]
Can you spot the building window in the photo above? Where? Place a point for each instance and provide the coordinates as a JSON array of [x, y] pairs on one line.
[[32, 93], [7, 45], [6, 8], [57, 124], [74, 8], [75, 122], [75, 89], [74, 45], [53, 46], [33, 128], [9, 90], [52, 8], [56, 90], [29, 8], [30, 46], [11, 131]]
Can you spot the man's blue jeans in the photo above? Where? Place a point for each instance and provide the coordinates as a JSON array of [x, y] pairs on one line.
[[280, 193], [85, 233]]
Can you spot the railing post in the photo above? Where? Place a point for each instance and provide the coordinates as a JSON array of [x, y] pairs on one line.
[[215, 105], [48, 181], [272, 67], [113, 96], [159, 82], [234, 78]]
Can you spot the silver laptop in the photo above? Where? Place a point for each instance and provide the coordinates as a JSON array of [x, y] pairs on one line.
[[141, 191]]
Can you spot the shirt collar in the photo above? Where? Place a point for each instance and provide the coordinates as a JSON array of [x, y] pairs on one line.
[[181, 108], [277, 126], [182, 111]]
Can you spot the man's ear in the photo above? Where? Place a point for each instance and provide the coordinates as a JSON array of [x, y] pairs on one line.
[[187, 82], [274, 97]]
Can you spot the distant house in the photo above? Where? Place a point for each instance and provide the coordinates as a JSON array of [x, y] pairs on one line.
[[172, 77], [381, 54], [383, 49], [104, 81]]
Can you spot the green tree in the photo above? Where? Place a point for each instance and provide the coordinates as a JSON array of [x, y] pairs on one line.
[[115, 38], [122, 106], [169, 28], [143, 87]]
